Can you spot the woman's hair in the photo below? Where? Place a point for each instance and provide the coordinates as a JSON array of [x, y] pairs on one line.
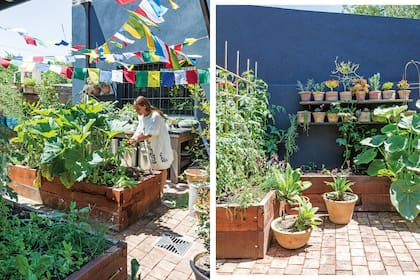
[[143, 101]]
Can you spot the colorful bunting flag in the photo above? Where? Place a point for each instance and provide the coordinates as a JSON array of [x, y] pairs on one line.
[[67, 72], [117, 76], [125, 2], [141, 78], [152, 11], [160, 48], [38, 59], [122, 38], [79, 73], [4, 62], [62, 43], [93, 75], [131, 30], [168, 79], [153, 79], [173, 4], [180, 77], [192, 76], [42, 67], [55, 68], [29, 40], [130, 76], [105, 76], [203, 76]]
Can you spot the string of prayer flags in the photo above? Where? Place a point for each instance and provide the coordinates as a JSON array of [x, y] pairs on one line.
[[93, 75], [141, 78], [203, 76], [152, 11], [29, 40], [167, 78], [125, 2], [153, 79], [130, 76], [192, 76], [180, 77], [105, 76], [5, 62], [173, 4], [67, 71]]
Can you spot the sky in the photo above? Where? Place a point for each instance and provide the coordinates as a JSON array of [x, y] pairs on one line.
[[48, 20]]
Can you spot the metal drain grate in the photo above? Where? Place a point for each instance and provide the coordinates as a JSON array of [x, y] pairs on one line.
[[173, 244]]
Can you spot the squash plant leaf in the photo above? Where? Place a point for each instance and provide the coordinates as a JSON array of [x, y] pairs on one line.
[[405, 198], [51, 151], [389, 128], [375, 166], [396, 143], [365, 157]]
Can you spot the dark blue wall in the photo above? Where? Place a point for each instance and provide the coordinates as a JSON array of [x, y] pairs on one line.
[[107, 17], [292, 45]]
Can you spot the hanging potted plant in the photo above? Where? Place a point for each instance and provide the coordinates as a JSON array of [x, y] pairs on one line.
[[387, 91], [305, 90], [331, 95], [360, 88], [294, 231], [318, 92], [374, 85], [340, 203], [403, 90]]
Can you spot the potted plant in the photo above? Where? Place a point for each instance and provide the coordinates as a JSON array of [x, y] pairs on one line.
[[331, 95], [319, 115], [345, 72], [403, 90], [346, 113], [374, 85], [332, 112], [200, 263], [303, 118], [318, 91], [293, 232], [29, 85], [305, 90], [394, 153], [288, 187], [340, 202], [363, 115], [360, 88], [387, 91]]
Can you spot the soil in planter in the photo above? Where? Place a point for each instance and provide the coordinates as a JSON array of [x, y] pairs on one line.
[[347, 196], [288, 224]]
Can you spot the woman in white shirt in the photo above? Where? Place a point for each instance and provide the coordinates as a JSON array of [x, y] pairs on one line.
[[153, 131]]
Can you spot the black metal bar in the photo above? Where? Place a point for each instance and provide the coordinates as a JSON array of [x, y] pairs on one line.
[[206, 15]]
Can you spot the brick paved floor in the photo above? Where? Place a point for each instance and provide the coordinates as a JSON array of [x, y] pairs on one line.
[[157, 263], [371, 244]]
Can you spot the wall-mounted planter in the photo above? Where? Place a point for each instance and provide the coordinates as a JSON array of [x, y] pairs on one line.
[[110, 265], [119, 207], [373, 191], [245, 233]]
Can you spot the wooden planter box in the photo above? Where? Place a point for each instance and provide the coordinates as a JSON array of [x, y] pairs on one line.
[[110, 265], [373, 191], [119, 207], [245, 233]]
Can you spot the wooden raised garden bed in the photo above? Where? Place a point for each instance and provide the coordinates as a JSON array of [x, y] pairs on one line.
[[110, 265], [373, 191], [245, 233], [119, 207]]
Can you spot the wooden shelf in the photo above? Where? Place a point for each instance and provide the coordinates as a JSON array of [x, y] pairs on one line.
[[366, 102], [339, 123]]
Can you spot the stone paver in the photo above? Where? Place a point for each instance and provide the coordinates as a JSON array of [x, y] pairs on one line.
[[380, 243]]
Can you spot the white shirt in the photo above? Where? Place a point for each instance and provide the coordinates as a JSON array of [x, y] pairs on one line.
[[158, 146]]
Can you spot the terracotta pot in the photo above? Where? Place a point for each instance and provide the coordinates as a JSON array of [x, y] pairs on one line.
[[346, 96], [404, 94], [292, 208], [305, 96], [331, 95], [388, 94], [340, 212], [332, 117], [318, 95], [360, 95], [346, 117], [375, 95], [319, 117], [303, 117], [364, 117], [289, 240]]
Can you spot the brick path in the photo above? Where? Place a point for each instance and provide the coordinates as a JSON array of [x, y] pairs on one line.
[[372, 244], [156, 263]]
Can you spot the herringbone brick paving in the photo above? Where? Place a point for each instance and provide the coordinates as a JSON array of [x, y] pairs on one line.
[[380, 243]]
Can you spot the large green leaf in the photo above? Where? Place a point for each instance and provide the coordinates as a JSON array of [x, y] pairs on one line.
[[416, 123], [374, 141], [51, 151], [365, 157], [389, 129], [396, 143], [405, 197], [375, 166], [405, 122], [412, 162], [416, 142]]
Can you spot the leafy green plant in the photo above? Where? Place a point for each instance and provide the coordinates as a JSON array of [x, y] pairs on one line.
[[345, 72], [375, 81], [289, 138], [334, 108], [305, 87], [359, 85], [395, 153], [331, 84], [319, 87], [403, 84], [340, 185], [29, 82], [387, 85], [306, 217]]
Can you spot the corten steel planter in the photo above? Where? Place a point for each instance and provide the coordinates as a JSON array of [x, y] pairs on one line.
[[373, 192], [112, 264], [245, 233], [118, 207]]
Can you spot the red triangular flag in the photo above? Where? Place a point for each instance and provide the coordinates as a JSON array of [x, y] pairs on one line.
[[140, 12], [38, 59], [77, 48], [139, 56], [125, 2], [130, 75], [67, 72], [5, 62], [29, 40]]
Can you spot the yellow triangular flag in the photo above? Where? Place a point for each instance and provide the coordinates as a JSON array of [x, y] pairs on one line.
[[153, 78], [149, 38], [93, 75], [173, 4], [106, 48], [131, 30], [189, 41], [154, 56]]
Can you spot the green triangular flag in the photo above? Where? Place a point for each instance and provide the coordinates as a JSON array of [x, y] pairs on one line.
[[203, 76], [146, 56], [141, 78], [79, 73]]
